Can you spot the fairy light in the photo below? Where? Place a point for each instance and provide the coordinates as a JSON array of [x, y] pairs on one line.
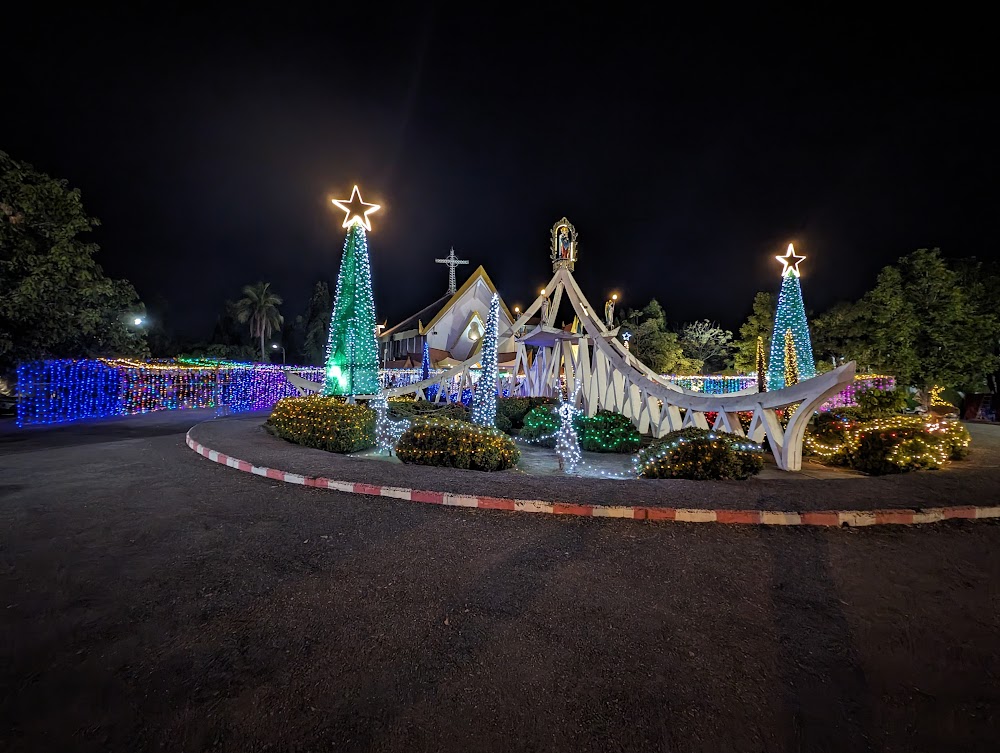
[[352, 346], [666, 460], [922, 443], [484, 401], [457, 444], [567, 441], [387, 430], [790, 315]]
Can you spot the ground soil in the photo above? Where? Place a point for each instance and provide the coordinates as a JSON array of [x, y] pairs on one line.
[[152, 600]]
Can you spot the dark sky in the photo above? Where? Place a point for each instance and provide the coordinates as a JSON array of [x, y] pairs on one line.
[[688, 152]]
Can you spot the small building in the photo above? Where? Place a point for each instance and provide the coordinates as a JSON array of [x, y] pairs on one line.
[[452, 326]]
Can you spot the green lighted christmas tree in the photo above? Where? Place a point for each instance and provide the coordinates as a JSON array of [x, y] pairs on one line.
[[791, 315], [484, 400], [352, 348]]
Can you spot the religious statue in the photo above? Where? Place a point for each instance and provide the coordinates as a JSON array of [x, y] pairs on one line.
[[565, 244], [545, 311], [563, 249], [609, 312]]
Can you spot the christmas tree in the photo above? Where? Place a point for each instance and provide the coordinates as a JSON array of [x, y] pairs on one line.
[[425, 365], [761, 366], [791, 315], [352, 347], [791, 360], [484, 401]]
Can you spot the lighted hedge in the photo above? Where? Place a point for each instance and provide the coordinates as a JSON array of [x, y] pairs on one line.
[[326, 423], [457, 444], [603, 432], [701, 455], [889, 444]]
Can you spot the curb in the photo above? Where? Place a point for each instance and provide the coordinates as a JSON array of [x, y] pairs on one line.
[[851, 518]]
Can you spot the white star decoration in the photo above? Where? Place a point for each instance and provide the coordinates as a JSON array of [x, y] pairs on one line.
[[357, 210], [790, 262]]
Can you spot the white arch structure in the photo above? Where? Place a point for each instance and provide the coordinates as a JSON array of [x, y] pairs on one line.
[[612, 379]]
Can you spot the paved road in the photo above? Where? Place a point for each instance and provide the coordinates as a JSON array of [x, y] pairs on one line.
[[151, 600]]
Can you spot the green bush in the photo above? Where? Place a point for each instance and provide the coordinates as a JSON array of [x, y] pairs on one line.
[[512, 410], [603, 432], [540, 422], [698, 454], [875, 403], [326, 423], [415, 409], [891, 444], [457, 444]]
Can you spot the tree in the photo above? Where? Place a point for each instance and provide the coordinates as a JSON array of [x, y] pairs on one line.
[[790, 315], [352, 347], [55, 300], [706, 342], [922, 326], [259, 308], [316, 324], [791, 360], [760, 323], [653, 344], [484, 400], [838, 335]]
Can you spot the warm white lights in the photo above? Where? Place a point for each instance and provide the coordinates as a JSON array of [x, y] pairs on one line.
[[356, 209], [790, 262]]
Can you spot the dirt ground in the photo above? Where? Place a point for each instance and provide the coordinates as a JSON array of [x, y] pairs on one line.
[[152, 600]]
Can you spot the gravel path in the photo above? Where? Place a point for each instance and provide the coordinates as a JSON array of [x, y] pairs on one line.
[[975, 481]]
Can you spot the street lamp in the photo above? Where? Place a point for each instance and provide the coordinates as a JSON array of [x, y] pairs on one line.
[[275, 346], [137, 321]]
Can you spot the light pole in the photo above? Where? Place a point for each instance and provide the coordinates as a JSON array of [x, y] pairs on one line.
[[275, 346]]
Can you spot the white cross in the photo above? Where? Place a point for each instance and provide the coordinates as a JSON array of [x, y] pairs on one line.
[[451, 261]]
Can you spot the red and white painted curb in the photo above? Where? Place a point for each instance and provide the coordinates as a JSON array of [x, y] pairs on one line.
[[683, 515]]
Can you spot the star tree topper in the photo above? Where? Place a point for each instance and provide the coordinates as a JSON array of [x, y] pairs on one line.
[[357, 210], [790, 262]]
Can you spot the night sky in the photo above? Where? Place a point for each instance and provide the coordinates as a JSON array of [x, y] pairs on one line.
[[687, 152]]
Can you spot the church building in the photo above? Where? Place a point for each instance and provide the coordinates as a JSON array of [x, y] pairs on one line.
[[452, 326]]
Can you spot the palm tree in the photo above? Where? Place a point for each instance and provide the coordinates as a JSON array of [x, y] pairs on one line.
[[259, 307]]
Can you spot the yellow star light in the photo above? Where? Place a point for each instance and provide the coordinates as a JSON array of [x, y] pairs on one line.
[[357, 210], [790, 262]]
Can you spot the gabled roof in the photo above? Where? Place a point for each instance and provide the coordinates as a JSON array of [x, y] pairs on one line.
[[412, 322], [479, 274]]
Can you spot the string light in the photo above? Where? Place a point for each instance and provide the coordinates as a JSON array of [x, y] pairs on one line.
[[761, 366], [484, 401], [355, 208], [457, 444], [791, 362], [387, 430], [567, 441], [790, 315], [352, 347]]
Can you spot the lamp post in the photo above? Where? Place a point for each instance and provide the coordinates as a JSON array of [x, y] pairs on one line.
[[275, 346]]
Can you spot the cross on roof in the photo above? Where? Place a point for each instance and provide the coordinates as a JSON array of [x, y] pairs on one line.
[[451, 261]]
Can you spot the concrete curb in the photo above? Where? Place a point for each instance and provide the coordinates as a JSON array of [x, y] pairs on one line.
[[850, 518]]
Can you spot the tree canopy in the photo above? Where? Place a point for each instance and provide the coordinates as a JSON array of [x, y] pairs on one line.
[[259, 308], [705, 341], [760, 323], [654, 344], [56, 300]]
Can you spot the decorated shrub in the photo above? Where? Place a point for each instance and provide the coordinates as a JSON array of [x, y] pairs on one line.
[[512, 410], [326, 423], [701, 455], [890, 444], [876, 403], [457, 444], [414, 409], [603, 432]]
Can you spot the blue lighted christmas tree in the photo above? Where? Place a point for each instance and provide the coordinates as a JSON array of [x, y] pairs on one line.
[[425, 364], [790, 316], [352, 347], [484, 401]]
